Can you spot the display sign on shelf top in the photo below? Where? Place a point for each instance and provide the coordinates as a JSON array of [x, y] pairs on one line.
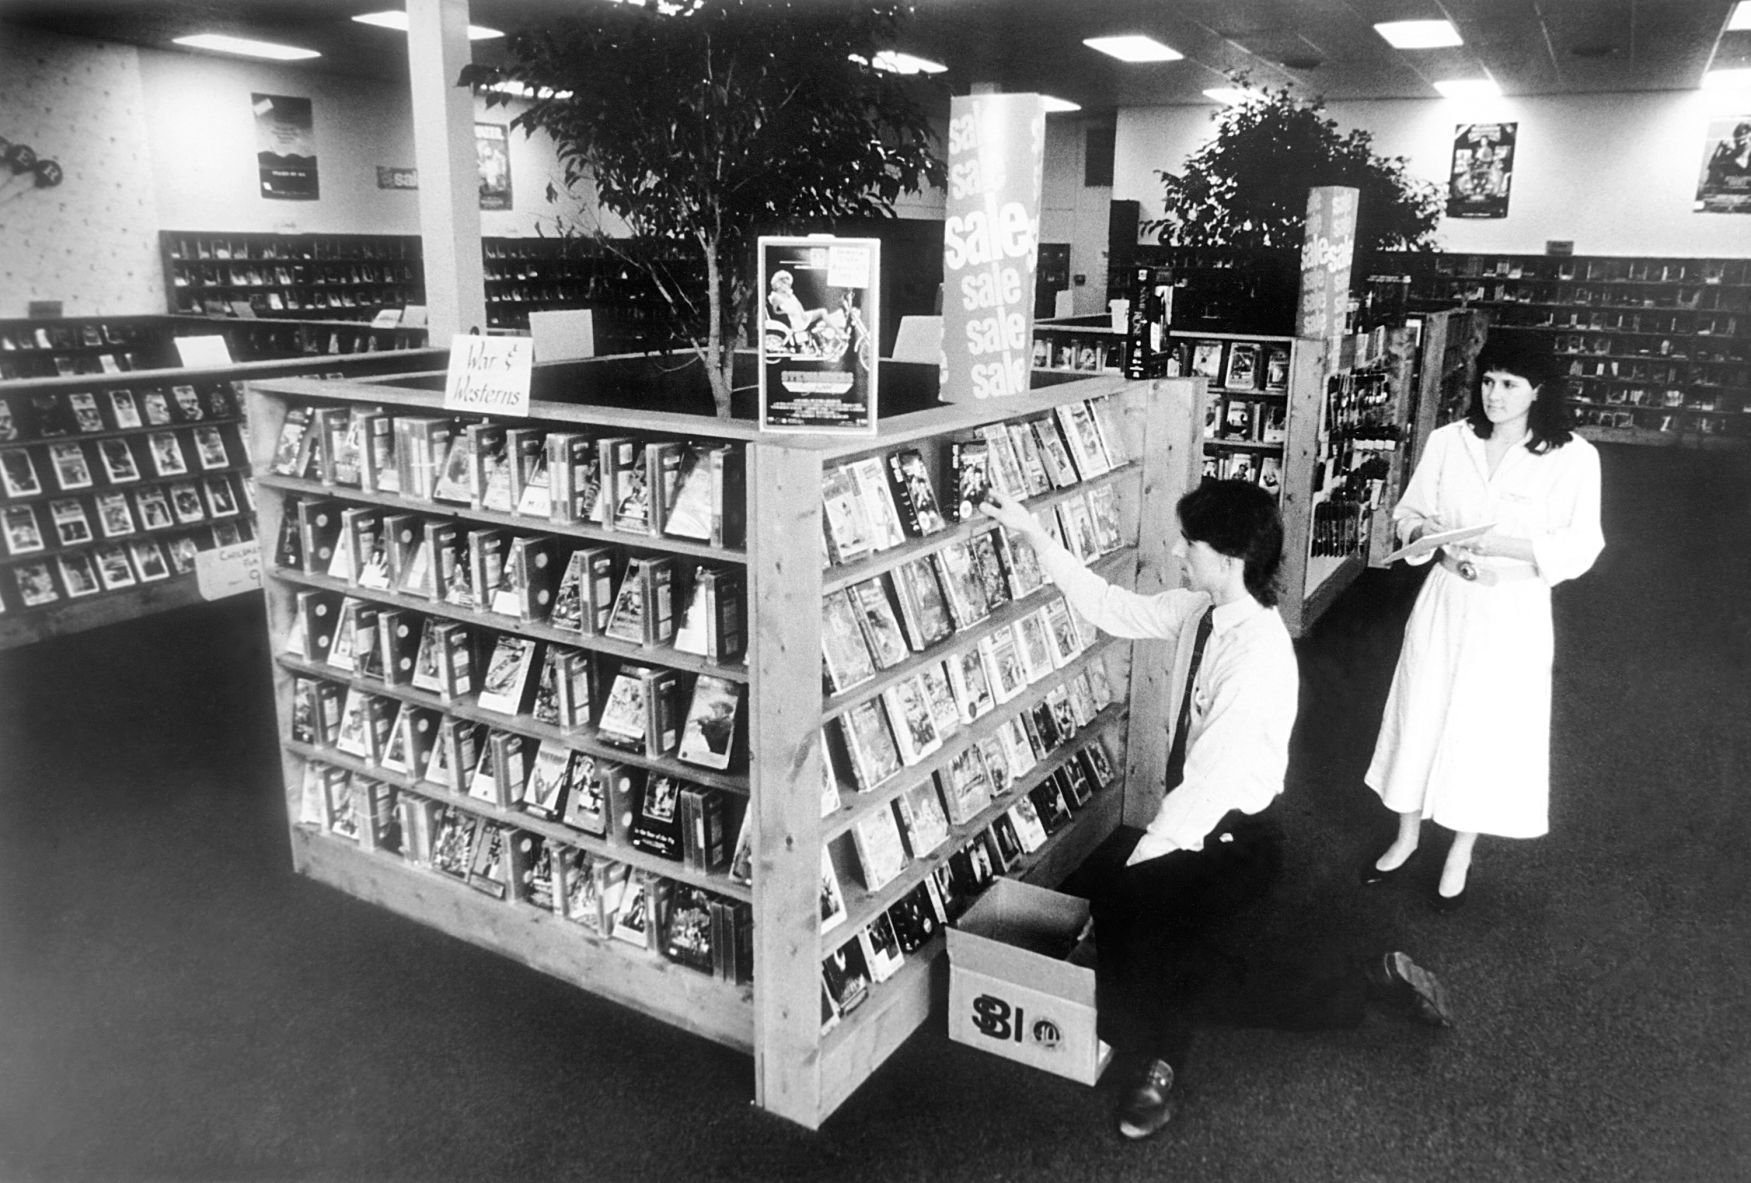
[[489, 375], [819, 326], [996, 159], [1327, 254]]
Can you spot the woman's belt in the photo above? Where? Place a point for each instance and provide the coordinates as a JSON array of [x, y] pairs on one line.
[[1473, 572]]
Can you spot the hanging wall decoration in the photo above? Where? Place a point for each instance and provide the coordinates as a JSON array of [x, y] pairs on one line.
[[492, 149], [1725, 184], [285, 147], [1483, 170]]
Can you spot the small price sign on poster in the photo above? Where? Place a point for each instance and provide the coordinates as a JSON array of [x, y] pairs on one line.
[[489, 375]]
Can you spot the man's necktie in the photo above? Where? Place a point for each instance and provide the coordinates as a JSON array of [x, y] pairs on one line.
[[1176, 755]]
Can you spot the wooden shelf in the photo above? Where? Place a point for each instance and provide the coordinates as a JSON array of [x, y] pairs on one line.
[[799, 1073]]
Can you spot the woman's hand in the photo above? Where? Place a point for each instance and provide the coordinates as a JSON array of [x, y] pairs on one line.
[[1010, 514]]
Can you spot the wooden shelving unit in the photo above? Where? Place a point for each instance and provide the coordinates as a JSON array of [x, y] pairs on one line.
[[1658, 348], [799, 1072]]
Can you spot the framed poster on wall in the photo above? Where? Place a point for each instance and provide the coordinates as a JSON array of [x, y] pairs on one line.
[[492, 151], [1725, 184], [285, 147], [1483, 170]]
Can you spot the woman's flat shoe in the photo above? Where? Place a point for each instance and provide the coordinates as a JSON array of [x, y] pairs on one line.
[[1371, 874], [1448, 903]]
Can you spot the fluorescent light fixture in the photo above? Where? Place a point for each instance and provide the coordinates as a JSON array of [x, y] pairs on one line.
[[1228, 96], [1737, 79], [1469, 88], [1056, 106], [895, 62], [1741, 18], [1419, 34], [398, 21], [243, 47], [1133, 47], [522, 90]]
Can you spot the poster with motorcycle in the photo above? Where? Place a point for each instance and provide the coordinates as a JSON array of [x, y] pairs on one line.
[[819, 302]]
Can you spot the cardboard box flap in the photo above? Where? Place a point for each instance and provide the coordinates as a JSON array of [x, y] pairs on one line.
[[1024, 934]]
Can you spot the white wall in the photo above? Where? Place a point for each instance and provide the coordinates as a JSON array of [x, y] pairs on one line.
[[203, 153], [1614, 173], [91, 242], [1075, 213]]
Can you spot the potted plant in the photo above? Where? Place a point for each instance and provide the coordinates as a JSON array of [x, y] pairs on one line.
[[1247, 187], [703, 123]]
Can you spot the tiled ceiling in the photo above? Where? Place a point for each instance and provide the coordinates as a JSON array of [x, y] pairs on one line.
[[1320, 47]]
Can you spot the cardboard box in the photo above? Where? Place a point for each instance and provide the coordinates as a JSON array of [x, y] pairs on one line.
[[1010, 989]]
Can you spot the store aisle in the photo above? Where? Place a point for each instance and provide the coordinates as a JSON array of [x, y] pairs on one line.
[[175, 1005]]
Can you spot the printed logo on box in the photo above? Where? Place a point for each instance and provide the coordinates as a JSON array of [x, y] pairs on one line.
[[996, 1019]]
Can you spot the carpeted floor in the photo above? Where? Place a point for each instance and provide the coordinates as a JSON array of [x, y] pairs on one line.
[[175, 1005]]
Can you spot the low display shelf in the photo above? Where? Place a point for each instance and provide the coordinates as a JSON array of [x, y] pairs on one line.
[[738, 857]]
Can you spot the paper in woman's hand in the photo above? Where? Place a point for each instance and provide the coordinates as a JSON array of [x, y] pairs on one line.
[[1431, 542]]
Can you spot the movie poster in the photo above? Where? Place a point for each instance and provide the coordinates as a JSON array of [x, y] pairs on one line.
[[1483, 170], [285, 147], [492, 151], [1725, 184], [820, 300]]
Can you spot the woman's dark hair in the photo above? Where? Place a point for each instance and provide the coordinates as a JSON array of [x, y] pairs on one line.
[[1529, 356], [1240, 520]]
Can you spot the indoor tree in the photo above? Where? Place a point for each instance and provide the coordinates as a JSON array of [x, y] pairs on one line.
[[1247, 187], [704, 123]]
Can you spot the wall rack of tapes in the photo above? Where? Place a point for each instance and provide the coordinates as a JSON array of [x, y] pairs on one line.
[[328, 276], [49, 347], [110, 487], [578, 688], [1658, 348], [525, 275]]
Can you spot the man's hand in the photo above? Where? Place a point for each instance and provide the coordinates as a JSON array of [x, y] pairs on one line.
[[1012, 515]]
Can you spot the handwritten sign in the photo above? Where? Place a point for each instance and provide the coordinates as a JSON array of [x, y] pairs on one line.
[[228, 570], [1327, 253], [489, 375], [990, 244]]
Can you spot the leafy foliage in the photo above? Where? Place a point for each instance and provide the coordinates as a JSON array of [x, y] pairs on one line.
[[1248, 186], [709, 122]]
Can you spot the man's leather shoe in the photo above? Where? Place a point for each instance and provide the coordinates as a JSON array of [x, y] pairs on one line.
[[1148, 1107], [1403, 982]]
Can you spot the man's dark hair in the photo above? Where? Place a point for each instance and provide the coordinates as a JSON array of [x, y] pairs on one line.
[[1528, 356], [1240, 520]]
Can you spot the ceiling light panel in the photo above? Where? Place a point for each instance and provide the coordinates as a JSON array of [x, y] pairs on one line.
[[243, 47], [398, 21], [1419, 34], [1741, 19], [1134, 47], [1737, 79]]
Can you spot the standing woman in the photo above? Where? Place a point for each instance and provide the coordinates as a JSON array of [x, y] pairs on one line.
[[1465, 738]]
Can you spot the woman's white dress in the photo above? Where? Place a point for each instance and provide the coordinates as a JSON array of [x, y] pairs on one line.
[[1465, 737]]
